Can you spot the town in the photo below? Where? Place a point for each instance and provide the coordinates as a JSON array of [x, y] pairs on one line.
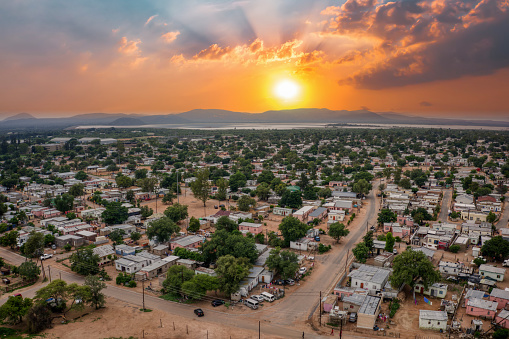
[[354, 232]]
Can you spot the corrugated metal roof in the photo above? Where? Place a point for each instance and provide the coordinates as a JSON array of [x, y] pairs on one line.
[[370, 305], [433, 315]]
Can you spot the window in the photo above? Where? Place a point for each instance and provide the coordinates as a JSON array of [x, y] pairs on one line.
[[440, 292], [429, 322], [438, 323], [472, 309]]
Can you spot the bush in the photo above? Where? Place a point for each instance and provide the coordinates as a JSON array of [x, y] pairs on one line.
[[67, 247], [398, 239], [131, 283], [322, 248], [501, 333], [454, 248], [393, 308]]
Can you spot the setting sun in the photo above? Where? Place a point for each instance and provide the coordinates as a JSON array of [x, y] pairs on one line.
[[287, 89]]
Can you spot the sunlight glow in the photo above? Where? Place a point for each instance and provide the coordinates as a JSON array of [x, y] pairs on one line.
[[287, 89]]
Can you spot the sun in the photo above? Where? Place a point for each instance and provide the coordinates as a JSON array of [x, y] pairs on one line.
[[287, 89]]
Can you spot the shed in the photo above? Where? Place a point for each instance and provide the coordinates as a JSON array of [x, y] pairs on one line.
[[433, 320], [368, 312]]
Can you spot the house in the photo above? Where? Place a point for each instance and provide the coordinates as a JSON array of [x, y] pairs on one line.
[[103, 252], [383, 259], [249, 227], [160, 250], [368, 312], [343, 205], [492, 272], [369, 277], [436, 290], [303, 213], [352, 303], [481, 308], [87, 235], [428, 252], [320, 213], [449, 268], [500, 296], [303, 244], [473, 294], [124, 250], [463, 242], [433, 320], [502, 319], [72, 240], [335, 216], [134, 263], [405, 220], [282, 211], [156, 268], [389, 225], [190, 241]]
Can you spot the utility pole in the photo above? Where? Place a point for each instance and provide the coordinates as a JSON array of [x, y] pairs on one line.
[[178, 188], [259, 329], [320, 308], [49, 272], [143, 286]]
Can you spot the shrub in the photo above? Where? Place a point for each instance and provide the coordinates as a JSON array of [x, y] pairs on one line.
[[393, 308], [131, 283], [398, 239], [322, 248], [454, 248]]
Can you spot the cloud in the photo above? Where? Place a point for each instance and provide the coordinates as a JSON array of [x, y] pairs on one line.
[[213, 52], [425, 104], [170, 36], [129, 47], [420, 41], [150, 19]]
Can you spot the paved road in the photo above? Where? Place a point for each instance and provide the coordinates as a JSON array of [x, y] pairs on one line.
[[446, 202], [504, 219]]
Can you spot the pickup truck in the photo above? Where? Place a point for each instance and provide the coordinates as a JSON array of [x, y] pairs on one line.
[[506, 263], [46, 256]]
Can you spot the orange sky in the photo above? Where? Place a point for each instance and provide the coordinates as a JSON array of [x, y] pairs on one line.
[[433, 58]]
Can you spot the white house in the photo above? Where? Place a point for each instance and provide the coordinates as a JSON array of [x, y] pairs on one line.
[[369, 277], [433, 320], [436, 290], [492, 272]]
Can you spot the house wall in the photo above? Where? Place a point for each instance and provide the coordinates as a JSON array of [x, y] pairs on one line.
[[174, 245], [501, 302], [502, 322], [480, 312], [494, 276], [431, 324], [250, 229], [365, 320]]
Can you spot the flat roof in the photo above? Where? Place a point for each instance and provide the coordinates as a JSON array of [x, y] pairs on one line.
[[370, 305], [433, 315]]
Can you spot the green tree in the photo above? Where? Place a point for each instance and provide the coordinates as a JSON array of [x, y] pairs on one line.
[[362, 187], [34, 246], [81, 176], [176, 212], [245, 203], [291, 199], [496, 248], [140, 174], [38, 318], [61, 292], [176, 276], [491, 217], [230, 272], [147, 184], [96, 297], [454, 248], [129, 196], [168, 198], [263, 191], [194, 225], [146, 212], [405, 183], [85, 262], [29, 270], [389, 242], [77, 190], [64, 203], [117, 236], [368, 241], [337, 231], [225, 223], [361, 252], [292, 229], [266, 176], [285, 262], [115, 213], [233, 243], [386, 215], [411, 267], [237, 181], [123, 181], [14, 309], [10, 239], [201, 186], [162, 229], [135, 236], [222, 187]]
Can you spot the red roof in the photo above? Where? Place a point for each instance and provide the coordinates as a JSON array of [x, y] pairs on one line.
[[486, 198]]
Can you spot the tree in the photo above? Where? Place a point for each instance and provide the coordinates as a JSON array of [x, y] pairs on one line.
[[176, 212], [266, 176], [192, 290], [61, 292], [386, 215], [362, 186], [117, 236], [229, 243], [85, 262], [124, 181], [230, 272], [14, 309], [194, 225], [34, 246], [361, 252], [77, 190], [38, 318], [337, 231], [389, 242], [222, 187], [64, 203], [147, 184], [96, 298], [129, 196], [496, 248], [411, 267], [501, 333], [291, 199], [454, 248], [237, 180], [146, 212], [245, 203], [419, 214], [405, 183], [479, 261], [201, 186], [10, 239], [225, 223], [285, 262], [29, 270], [263, 191], [368, 241], [81, 176], [115, 213], [176, 276], [168, 198], [491, 217], [135, 236], [292, 229], [140, 174], [162, 229]]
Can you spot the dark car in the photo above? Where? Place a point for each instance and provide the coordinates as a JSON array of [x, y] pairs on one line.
[[217, 302], [199, 312]]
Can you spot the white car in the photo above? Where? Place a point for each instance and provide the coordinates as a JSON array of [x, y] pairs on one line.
[[46, 256], [303, 270], [258, 298]]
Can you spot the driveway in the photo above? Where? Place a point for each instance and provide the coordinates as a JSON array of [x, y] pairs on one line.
[[444, 208]]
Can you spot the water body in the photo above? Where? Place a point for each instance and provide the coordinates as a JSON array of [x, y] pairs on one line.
[[286, 126]]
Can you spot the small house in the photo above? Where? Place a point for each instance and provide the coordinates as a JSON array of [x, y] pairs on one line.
[[282, 211], [433, 320], [502, 319], [303, 244], [500, 296], [160, 250], [492, 272], [250, 227], [368, 312], [104, 252], [353, 303], [320, 213], [369, 277], [72, 240], [303, 213], [481, 308], [190, 241], [436, 290], [124, 250]]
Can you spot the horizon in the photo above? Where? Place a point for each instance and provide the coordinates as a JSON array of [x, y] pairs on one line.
[[428, 58]]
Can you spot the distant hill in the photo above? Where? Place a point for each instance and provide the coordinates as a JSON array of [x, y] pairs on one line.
[[301, 115]]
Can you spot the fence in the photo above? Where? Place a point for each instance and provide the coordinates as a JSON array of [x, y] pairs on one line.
[[17, 285]]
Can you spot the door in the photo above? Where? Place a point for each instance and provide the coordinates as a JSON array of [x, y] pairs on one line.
[[362, 285], [432, 292], [422, 290]]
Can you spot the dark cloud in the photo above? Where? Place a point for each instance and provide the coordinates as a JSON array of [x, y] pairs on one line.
[[425, 104]]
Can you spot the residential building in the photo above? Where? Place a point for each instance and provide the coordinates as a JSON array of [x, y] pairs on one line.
[[433, 320]]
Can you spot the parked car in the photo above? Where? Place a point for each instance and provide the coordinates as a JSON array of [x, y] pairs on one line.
[[46, 256], [311, 258], [394, 251], [303, 270], [290, 282], [257, 297], [215, 206], [217, 302], [353, 317], [506, 262], [317, 238], [199, 312]]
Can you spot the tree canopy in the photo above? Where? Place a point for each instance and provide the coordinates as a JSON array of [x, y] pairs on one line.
[[162, 229], [292, 229], [411, 267], [337, 231], [496, 247], [230, 272], [285, 262], [115, 213], [201, 186], [85, 262], [229, 243], [176, 212]]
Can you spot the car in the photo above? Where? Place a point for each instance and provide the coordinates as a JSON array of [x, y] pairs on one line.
[[311, 258], [279, 282], [215, 206], [199, 312], [394, 251], [303, 270], [217, 302], [17, 295], [46, 256], [353, 317], [221, 206], [290, 282], [258, 298], [317, 238], [506, 262]]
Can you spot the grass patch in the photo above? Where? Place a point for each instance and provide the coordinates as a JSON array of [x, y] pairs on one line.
[[145, 310], [175, 298], [333, 325], [393, 308]]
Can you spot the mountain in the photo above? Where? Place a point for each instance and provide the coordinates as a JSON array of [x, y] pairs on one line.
[[212, 116], [20, 116]]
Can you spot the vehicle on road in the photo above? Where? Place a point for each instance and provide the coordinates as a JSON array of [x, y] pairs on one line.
[[303, 270], [217, 302], [394, 251], [46, 256], [353, 317], [199, 312]]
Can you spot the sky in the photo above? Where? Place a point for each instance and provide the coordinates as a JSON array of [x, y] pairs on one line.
[[446, 58]]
